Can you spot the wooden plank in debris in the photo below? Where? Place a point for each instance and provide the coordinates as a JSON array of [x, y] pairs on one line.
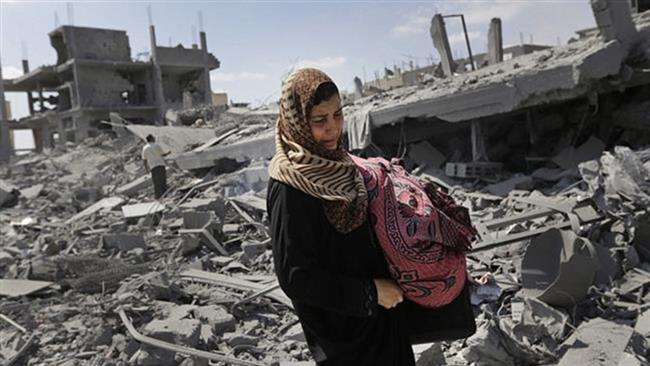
[[18, 287], [237, 283]]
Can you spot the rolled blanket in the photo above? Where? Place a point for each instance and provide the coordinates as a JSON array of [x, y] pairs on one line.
[[424, 235]]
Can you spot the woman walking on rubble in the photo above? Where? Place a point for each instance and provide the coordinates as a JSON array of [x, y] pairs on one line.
[[325, 256]]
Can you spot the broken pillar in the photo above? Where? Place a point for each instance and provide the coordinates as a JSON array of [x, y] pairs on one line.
[[5, 141], [495, 42], [614, 20], [358, 87], [207, 88], [157, 77], [441, 43], [30, 99]]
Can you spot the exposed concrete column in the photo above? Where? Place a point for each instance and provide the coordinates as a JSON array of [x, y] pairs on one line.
[[30, 98], [46, 135], [614, 20], [5, 141], [495, 42], [41, 102], [38, 139], [157, 77], [206, 70], [441, 43], [478, 142], [81, 125]]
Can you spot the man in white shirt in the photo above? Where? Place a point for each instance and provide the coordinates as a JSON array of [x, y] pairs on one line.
[[152, 156]]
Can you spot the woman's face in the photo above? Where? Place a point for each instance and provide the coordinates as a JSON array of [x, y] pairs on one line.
[[326, 122]]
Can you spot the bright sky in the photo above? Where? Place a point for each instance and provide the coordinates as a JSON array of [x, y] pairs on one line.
[[258, 42]]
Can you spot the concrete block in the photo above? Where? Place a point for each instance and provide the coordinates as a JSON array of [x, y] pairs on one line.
[[252, 250], [178, 331], [123, 242], [220, 320]]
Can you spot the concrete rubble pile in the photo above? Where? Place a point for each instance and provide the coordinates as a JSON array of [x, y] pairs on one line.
[[96, 272], [93, 271]]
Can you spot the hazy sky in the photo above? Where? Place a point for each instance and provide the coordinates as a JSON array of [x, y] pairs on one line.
[[257, 42]]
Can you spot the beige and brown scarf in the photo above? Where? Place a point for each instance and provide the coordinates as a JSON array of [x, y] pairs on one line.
[[302, 163]]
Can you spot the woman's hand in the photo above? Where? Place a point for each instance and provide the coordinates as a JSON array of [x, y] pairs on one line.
[[388, 293]]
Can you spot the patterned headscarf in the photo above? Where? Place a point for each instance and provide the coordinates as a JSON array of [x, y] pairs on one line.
[[302, 163]]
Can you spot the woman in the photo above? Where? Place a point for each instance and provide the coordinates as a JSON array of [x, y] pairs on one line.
[[325, 256]]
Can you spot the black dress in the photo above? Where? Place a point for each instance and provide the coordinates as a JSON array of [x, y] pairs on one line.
[[329, 278]]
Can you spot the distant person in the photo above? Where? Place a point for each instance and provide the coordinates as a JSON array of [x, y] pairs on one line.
[[152, 156]]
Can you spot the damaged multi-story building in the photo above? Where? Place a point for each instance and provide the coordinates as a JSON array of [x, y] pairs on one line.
[[95, 74], [521, 112]]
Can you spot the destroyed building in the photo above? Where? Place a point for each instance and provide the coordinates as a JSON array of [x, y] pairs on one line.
[[511, 111], [95, 74], [93, 271]]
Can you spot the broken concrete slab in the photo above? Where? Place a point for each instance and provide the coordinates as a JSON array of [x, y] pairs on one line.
[[251, 201], [258, 147], [252, 250], [105, 203], [123, 242], [596, 342], [176, 140], [32, 192], [558, 268], [134, 187], [177, 331], [142, 209], [17, 287], [200, 204], [571, 157]]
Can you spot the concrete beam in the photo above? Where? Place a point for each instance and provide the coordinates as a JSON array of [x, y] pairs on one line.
[[495, 42], [441, 43]]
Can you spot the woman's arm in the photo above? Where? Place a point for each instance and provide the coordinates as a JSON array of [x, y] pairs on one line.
[[297, 245]]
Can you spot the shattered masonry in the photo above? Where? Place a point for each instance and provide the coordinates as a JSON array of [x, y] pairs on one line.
[[553, 161]]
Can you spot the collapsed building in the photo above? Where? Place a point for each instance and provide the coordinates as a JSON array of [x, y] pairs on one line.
[[93, 271], [95, 74]]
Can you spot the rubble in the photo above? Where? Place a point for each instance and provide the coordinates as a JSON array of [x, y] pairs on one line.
[[92, 270]]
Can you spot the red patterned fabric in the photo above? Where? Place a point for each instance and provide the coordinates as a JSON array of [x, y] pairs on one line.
[[423, 233]]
